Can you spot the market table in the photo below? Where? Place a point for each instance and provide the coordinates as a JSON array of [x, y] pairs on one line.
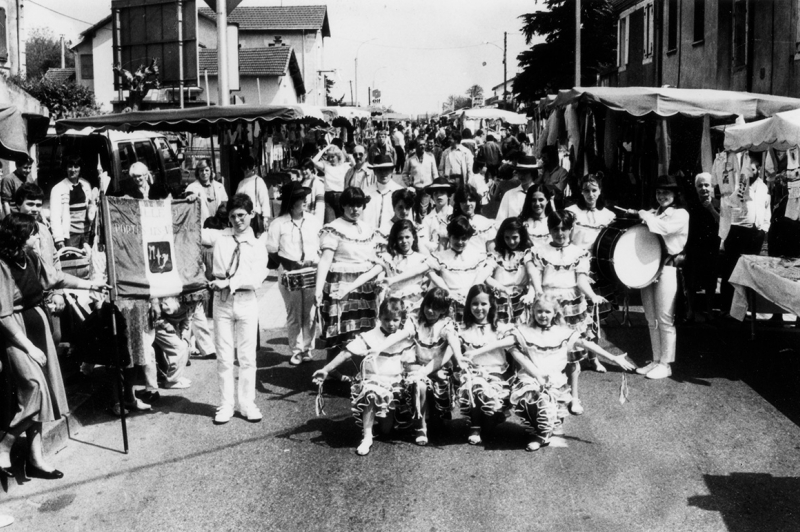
[[774, 279]]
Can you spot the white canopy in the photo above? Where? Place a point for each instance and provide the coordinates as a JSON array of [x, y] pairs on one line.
[[781, 132], [347, 112], [494, 114]]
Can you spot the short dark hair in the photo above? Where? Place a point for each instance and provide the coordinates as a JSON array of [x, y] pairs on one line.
[[307, 164], [352, 196], [405, 195], [456, 137], [28, 191], [551, 151], [240, 201], [564, 218], [24, 160], [459, 227], [248, 161], [15, 230]]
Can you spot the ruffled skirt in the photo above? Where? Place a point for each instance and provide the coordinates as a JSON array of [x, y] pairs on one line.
[[385, 392], [343, 319], [510, 309], [481, 389], [540, 407]]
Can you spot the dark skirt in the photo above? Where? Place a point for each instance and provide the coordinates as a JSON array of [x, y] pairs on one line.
[[30, 391], [344, 319], [510, 309]]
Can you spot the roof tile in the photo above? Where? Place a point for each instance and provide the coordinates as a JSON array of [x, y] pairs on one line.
[[272, 61], [274, 17], [60, 75]]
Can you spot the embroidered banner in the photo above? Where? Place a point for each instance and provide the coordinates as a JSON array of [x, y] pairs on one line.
[[157, 249]]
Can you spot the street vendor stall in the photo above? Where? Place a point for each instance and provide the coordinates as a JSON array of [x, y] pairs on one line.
[[18, 131], [779, 132]]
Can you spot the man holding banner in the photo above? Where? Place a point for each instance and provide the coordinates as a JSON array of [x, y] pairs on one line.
[[239, 268]]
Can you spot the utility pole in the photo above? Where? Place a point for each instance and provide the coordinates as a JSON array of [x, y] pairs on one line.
[[505, 69], [577, 43], [352, 101], [222, 54], [63, 57]]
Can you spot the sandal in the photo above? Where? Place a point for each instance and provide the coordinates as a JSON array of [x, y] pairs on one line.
[[533, 446], [296, 359], [422, 437], [137, 406], [307, 357], [474, 437]]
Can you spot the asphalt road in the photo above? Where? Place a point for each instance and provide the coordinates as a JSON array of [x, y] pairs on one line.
[[701, 451]]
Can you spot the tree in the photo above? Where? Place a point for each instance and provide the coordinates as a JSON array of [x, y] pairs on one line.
[[138, 83], [455, 102], [64, 100], [330, 100], [43, 51], [475, 94], [550, 66]]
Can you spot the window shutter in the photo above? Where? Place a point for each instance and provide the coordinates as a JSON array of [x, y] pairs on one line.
[[3, 36]]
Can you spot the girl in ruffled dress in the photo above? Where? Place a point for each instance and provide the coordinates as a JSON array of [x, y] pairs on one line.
[[407, 268], [540, 392], [467, 203], [563, 269], [510, 279], [459, 267], [483, 391], [535, 211], [377, 389]]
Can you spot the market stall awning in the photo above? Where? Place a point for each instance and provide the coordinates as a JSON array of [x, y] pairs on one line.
[[18, 130], [639, 101], [198, 119], [494, 114], [347, 112], [781, 132]]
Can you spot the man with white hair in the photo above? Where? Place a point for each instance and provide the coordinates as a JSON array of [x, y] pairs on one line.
[[702, 248]]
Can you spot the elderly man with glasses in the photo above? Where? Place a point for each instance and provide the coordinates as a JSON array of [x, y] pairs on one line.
[[360, 174], [73, 204]]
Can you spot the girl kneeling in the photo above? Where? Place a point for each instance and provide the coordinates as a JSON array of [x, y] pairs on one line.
[[540, 393], [376, 390]]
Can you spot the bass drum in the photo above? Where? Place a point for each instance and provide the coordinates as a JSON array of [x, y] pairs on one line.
[[628, 253]]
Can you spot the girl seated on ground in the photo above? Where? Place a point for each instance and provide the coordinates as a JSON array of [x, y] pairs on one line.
[[376, 390], [540, 392], [483, 390]]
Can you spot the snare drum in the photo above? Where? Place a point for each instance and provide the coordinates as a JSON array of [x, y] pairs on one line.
[[299, 279], [628, 253]]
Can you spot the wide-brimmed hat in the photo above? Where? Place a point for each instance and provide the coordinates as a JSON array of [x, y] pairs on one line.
[[667, 182], [294, 191], [382, 161], [440, 183], [528, 162]]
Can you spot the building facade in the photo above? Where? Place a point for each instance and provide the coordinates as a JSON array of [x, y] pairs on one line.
[[740, 45]]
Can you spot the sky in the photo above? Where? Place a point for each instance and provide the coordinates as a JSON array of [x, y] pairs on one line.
[[417, 52]]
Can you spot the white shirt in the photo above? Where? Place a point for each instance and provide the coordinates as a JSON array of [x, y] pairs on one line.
[[456, 161], [252, 268], [213, 195], [379, 212], [296, 240], [510, 205], [255, 187], [672, 225], [420, 172]]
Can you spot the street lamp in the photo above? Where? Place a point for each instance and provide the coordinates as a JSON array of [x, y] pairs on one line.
[[505, 67], [357, 50]]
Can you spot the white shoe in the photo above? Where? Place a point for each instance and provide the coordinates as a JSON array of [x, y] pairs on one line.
[[363, 449], [252, 414], [533, 446], [646, 369], [180, 384], [224, 414], [661, 371], [5, 520], [575, 407]]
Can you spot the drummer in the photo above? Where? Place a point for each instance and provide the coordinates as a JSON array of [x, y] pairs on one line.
[[293, 241], [591, 217], [671, 221]]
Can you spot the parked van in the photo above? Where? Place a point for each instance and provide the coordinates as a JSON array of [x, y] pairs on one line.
[[113, 152]]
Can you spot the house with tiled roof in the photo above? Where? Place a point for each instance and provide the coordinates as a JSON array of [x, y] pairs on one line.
[[301, 28], [93, 60], [274, 71]]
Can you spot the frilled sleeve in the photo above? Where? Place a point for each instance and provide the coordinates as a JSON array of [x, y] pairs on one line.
[[448, 329], [534, 258], [328, 239], [583, 264], [358, 346]]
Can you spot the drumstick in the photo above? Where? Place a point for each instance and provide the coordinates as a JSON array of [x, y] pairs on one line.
[[626, 211]]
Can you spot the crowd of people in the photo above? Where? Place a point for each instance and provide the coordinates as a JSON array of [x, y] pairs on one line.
[[382, 251]]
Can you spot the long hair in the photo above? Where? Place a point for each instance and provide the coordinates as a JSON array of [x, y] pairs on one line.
[[564, 218], [460, 227], [527, 206], [421, 212], [398, 227], [437, 299], [202, 165], [464, 194], [511, 225], [548, 298], [15, 230], [475, 291], [591, 179]]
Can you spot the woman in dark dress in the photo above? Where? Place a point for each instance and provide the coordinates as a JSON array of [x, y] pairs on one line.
[[31, 387]]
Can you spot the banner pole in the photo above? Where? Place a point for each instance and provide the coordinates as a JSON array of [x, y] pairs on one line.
[[112, 280]]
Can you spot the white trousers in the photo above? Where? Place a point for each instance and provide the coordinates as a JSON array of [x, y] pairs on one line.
[[658, 301], [236, 326], [202, 334], [298, 318]]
